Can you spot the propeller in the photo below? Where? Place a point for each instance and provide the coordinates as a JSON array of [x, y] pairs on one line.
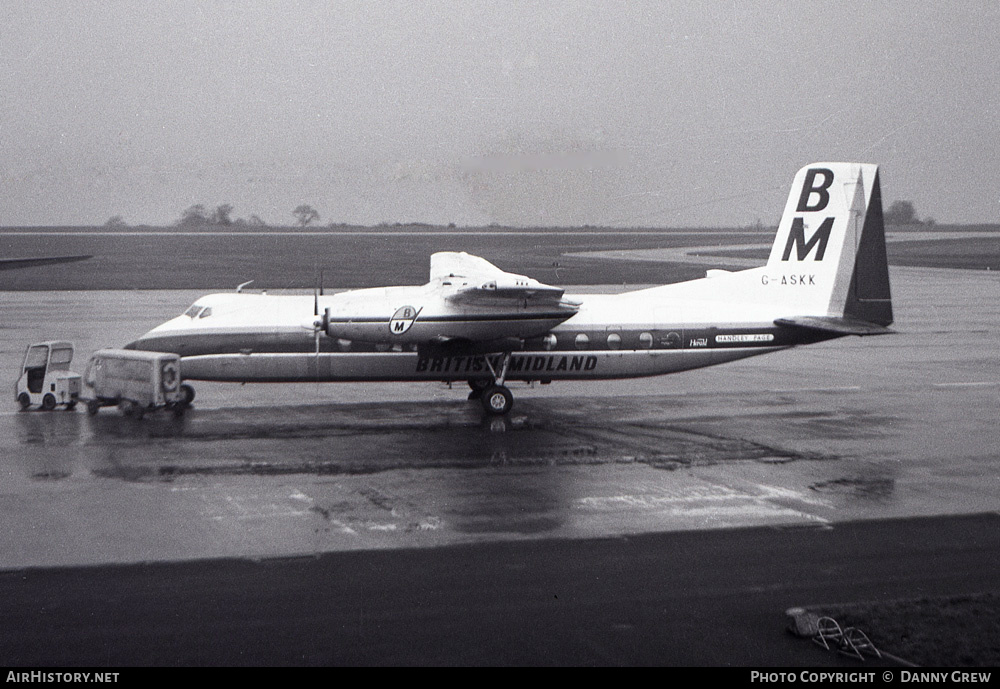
[[320, 322]]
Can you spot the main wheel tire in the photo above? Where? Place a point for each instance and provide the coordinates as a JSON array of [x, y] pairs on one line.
[[92, 407], [188, 394], [49, 402], [126, 408], [497, 400], [24, 399], [70, 406], [478, 385]]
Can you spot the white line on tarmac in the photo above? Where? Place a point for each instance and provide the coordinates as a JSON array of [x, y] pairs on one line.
[[979, 384], [842, 388], [387, 233]]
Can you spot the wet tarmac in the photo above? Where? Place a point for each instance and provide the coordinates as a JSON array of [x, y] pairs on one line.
[[855, 429]]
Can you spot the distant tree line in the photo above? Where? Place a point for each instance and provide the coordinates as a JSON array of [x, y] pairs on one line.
[[221, 216], [199, 215], [904, 213]]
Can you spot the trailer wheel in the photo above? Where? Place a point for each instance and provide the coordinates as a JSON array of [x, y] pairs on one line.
[[24, 400], [188, 394], [49, 402], [70, 406], [92, 407]]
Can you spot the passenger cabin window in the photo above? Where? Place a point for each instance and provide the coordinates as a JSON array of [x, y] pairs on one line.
[[646, 340], [582, 341], [614, 341]]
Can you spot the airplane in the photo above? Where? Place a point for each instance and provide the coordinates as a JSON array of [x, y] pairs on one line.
[[826, 277], [14, 263]]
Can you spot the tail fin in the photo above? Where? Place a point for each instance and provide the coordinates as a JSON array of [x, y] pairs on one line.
[[832, 233]]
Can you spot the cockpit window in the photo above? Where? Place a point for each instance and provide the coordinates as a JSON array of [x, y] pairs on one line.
[[198, 311]]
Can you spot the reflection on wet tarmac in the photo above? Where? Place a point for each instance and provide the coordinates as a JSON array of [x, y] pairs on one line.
[[367, 438], [872, 487], [55, 428]]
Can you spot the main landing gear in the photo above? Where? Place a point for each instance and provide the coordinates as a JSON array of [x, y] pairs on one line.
[[496, 399]]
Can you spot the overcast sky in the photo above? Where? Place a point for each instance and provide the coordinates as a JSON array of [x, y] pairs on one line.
[[524, 113]]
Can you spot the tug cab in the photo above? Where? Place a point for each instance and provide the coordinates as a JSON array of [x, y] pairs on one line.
[[45, 378]]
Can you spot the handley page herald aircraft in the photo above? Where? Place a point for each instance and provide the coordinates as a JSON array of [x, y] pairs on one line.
[[826, 277]]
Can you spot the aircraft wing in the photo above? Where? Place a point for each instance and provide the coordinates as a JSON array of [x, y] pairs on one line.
[[446, 264], [475, 281], [11, 263]]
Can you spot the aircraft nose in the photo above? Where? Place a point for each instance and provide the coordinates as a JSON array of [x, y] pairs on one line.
[[140, 343]]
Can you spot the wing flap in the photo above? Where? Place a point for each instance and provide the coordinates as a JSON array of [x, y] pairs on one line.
[[494, 293]]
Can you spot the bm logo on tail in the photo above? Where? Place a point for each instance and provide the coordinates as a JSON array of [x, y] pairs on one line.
[[807, 204]]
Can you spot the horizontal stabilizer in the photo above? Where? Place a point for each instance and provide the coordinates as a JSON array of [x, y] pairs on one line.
[[834, 324]]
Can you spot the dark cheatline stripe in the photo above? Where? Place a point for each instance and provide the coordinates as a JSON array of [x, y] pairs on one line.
[[464, 318]]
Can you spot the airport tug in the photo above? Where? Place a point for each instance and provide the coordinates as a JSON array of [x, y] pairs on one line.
[[45, 378]]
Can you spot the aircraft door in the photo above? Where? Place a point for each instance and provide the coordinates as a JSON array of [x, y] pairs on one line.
[[667, 335]]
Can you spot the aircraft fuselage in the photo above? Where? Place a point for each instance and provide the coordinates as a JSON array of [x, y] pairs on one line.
[[263, 338]]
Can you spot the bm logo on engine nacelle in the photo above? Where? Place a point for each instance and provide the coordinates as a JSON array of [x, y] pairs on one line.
[[815, 197], [402, 319]]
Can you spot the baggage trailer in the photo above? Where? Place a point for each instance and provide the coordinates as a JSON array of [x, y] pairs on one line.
[[136, 382], [45, 378]]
